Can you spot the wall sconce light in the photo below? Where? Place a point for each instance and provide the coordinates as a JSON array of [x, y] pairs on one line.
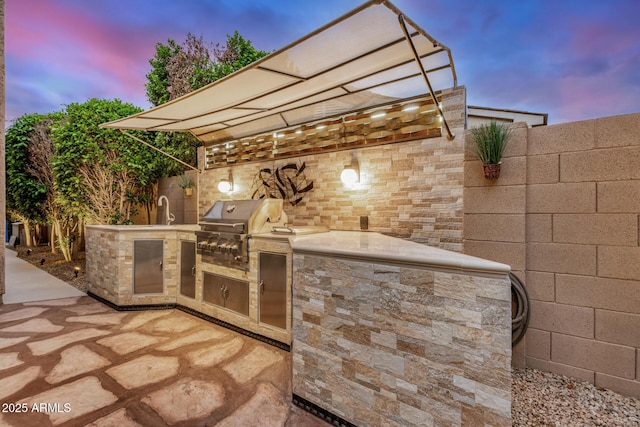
[[226, 185], [351, 174]]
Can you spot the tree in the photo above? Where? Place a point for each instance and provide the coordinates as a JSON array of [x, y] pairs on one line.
[[237, 53], [101, 173], [63, 168], [25, 195], [108, 190], [41, 153], [158, 77], [179, 69], [189, 68]]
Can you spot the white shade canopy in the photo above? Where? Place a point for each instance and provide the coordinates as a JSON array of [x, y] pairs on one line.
[[361, 60]]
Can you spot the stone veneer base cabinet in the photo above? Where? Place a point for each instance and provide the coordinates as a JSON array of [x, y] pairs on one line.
[[110, 261], [110, 273], [398, 345]]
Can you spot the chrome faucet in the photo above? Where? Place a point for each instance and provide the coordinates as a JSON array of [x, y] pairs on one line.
[[169, 216]]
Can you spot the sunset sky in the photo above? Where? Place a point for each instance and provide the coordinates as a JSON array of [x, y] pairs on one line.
[[572, 59]]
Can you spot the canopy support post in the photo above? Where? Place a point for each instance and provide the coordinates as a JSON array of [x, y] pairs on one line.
[[407, 36], [173, 158], [159, 150]]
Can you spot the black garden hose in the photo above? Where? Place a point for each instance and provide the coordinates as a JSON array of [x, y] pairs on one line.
[[519, 309]]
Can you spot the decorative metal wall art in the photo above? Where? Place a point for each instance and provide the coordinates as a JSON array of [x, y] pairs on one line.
[[287, 182]]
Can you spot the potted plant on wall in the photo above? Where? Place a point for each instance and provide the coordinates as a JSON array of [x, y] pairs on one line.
[[489, 142], [186, 183]]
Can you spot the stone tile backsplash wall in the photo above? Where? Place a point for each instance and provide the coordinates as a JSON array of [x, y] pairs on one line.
[[412, 190], [400, 346]]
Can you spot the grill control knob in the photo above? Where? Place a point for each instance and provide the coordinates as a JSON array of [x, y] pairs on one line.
[[234, 249], [212, 245], [202, 245]]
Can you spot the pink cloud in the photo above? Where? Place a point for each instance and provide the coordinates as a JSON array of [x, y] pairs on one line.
[[54, 38]]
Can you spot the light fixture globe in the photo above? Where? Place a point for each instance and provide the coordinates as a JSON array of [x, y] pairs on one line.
[[350, 176], [224, 186]]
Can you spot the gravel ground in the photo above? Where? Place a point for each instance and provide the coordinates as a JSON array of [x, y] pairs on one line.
[[545, 399]]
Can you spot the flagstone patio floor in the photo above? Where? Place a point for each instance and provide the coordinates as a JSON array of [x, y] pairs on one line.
[[77, 362]]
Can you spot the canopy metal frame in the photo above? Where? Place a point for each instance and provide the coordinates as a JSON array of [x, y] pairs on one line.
[[407, 36], [357, 62]]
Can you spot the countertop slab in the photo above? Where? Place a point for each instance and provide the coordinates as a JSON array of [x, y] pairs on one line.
[[379, 248], [153, 227], [287, 233]]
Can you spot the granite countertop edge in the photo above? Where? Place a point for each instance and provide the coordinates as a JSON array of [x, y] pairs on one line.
[[376, 247]]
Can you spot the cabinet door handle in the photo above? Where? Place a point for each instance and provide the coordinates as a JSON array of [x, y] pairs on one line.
[[261, 287], [193, 270], [160, 266], [222, 292]]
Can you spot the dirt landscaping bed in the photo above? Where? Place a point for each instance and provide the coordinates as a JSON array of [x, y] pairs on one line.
[[71, 272]]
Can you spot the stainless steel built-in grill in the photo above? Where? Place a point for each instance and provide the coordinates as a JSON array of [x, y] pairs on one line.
[[226, 227]]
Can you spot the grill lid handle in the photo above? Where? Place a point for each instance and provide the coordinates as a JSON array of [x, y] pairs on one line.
[[234, 225]]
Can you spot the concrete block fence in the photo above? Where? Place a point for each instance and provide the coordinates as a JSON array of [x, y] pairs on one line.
[[565, 215]]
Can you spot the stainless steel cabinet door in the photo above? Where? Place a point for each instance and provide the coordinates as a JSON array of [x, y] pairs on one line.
[[226, 292], [188, 269], [147, 266], [213, 289], [237, 296], [272, 280]]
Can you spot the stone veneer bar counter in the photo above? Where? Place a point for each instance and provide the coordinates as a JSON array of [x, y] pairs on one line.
[[110, 261], [392, 332]]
